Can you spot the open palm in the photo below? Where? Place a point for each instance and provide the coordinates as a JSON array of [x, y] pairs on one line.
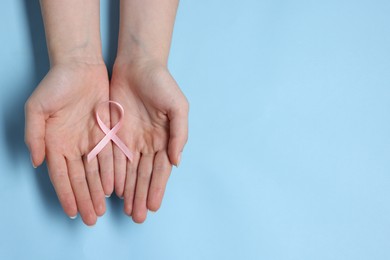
[[154, 129], [60, 125]]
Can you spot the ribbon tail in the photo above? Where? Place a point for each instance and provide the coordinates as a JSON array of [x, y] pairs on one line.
[[92, 154], [123, 147]]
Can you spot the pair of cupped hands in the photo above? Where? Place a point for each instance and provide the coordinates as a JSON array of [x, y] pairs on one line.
[[61, 127]]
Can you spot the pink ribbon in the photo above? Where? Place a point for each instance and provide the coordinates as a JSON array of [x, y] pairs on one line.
[[110, 135]]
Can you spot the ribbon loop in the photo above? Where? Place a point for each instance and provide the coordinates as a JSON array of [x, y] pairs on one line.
[[110, 135]]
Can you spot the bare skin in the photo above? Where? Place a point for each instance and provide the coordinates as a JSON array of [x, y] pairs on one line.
[[154, 106], [64, 103], [60, 121], [156, 111], [60, 124]]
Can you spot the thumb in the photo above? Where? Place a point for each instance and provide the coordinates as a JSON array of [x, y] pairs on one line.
[[35, 133], [178, 133]]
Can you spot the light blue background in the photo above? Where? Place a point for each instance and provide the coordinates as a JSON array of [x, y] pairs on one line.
[[288, 156]]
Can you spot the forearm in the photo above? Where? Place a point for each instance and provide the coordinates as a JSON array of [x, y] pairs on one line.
[[72, 30], [146, 29]]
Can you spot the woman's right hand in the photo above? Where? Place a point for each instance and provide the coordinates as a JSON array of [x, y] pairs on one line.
[[60, 125]]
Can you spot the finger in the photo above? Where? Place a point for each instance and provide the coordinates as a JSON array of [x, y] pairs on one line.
[[161, 172], [106, 166], [35, 133], [106, 157], [178, 133], [95, 185], [144, 173], [130, 182], [119, 171], [119, 159], [80, 188], [58, 173]]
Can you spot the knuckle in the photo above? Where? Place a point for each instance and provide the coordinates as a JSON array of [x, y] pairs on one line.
[[105, 156], [160, 167], [140, 197], [92, 173], [96, 193], [144, 177], [128, 194], [78, 179], [61, 175]]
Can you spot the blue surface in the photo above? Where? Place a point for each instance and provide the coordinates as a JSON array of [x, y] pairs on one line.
[[288, 156]]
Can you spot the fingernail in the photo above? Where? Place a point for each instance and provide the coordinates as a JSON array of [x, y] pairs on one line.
[[121, 197], [73, 217], [32, 162], [107, 196], [178, 159]]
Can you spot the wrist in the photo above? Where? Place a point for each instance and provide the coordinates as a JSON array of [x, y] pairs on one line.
[[72, 31], [82, 68], [137, 60], [133, 67], [135, 50], [79, 49], [76, 56]]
